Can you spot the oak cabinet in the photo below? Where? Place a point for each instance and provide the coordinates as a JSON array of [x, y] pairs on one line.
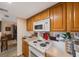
[[25, 48], [36, 17], [30, 24], [69, 17], [44, 14], [27, 24], [58, 17], [63, 17], [73, 16], [76, 16]]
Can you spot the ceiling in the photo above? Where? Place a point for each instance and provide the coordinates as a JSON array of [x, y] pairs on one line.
[[25, 9]]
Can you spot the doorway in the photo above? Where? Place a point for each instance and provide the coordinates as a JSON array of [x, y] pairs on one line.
[[8, 43]]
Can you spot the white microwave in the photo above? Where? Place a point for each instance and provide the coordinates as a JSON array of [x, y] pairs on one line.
[[43, 25]]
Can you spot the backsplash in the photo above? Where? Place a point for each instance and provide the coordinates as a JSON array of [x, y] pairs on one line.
[[28, 33], [74, 34], [54, 34]]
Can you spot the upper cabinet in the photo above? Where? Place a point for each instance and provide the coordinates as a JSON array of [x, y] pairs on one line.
[[58, 17], [44, 14], [76, 16], [73, 17], [30, 24], [36, 17], [63, 17], [69, 17], [40, 16]]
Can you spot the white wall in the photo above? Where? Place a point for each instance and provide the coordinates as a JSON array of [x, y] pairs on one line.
[[4, 25], [21, 28], [7, 24]]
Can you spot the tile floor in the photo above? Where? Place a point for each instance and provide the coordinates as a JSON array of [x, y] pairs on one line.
[[11, 52]]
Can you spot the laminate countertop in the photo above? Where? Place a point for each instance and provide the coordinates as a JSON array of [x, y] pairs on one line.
[[54, 52], [30, 39], [57, 50]]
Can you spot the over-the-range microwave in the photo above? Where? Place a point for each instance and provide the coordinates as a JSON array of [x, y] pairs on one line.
[[42, 25]]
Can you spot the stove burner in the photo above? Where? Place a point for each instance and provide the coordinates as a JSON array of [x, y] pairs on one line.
[[43, 44], [39, 40], [47, 42], [35, 42]]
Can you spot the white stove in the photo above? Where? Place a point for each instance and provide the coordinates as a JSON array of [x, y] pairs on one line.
[[39, 47]]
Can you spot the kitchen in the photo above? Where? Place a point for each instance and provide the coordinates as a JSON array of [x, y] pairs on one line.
[[45, 29], [53, 32]]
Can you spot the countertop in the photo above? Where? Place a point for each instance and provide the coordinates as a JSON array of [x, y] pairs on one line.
[[56, 50], [30, 39]]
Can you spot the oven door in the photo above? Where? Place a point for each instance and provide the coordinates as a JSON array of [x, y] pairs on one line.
[[35, 53]]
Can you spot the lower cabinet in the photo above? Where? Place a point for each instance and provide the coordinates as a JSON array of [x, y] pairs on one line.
[[25, 48]]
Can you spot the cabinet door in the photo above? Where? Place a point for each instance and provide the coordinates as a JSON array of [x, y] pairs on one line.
[[69, 17], [37, 17], [44, 14], [25, 48], [72, 17], [58, 17], [31, 24], [51, 18], [76, 16], [28, 25]]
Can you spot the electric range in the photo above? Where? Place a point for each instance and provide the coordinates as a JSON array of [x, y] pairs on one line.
[[39, 47]]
